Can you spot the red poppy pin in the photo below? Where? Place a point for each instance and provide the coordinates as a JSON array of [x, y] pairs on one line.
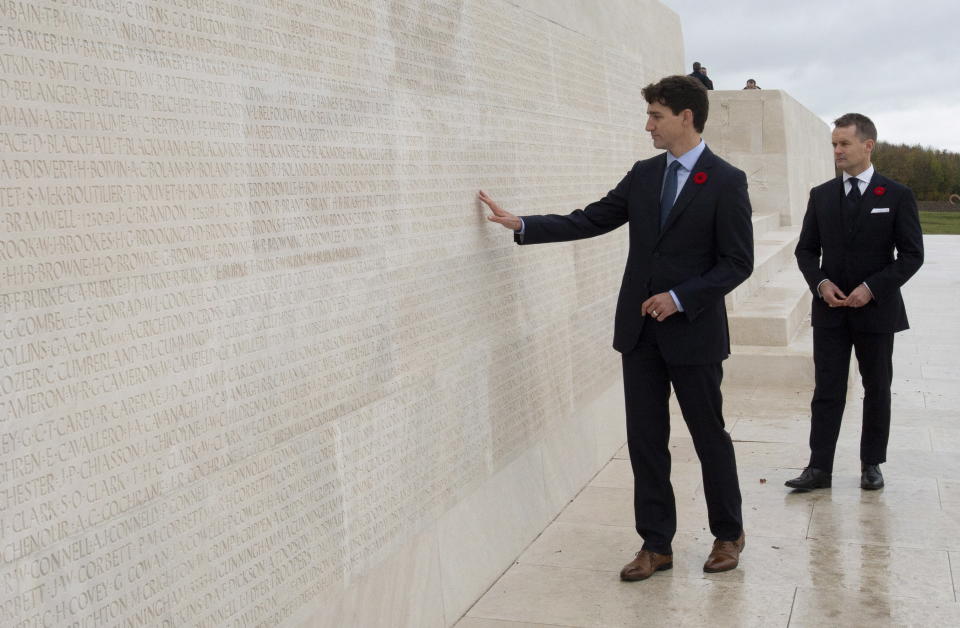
[[700, 178], [879, 190]]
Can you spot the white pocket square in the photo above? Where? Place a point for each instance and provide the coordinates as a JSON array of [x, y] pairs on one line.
[[880, 210]]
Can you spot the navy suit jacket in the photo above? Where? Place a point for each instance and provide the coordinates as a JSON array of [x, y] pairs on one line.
[[887, 219], [704, 251]]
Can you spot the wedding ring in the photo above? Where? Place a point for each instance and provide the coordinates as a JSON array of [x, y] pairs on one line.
[[654, 312]]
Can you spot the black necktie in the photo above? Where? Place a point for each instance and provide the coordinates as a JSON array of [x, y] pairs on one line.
[[854, 194], [669, 194], [853, 204]]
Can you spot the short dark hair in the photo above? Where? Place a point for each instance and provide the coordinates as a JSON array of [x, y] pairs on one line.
[[866, 129], [751, 81], [696, 66], [679, 93]]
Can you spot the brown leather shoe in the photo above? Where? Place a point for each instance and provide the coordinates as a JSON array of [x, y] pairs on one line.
[[725, 555], [645, 564]]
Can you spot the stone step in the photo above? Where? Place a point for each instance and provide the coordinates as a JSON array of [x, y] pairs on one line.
[[762, 223], [755, 365], [771, 253], [773, 366], [773, 315]]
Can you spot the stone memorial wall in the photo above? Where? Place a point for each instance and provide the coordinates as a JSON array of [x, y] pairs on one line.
[[782, 146], [257, 337]]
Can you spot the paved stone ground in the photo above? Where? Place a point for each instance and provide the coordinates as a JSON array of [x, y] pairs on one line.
[[837, 557]]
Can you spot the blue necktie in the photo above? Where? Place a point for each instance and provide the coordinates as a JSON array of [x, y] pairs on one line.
[[669, 194]]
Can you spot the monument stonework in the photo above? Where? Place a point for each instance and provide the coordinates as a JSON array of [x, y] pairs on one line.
[[258, 340]]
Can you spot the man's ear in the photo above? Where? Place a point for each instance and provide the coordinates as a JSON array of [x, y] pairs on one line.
[[869, 144], [687, 115]]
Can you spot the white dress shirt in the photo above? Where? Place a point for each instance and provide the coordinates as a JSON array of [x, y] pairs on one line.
[[687, 161], [863, 179]]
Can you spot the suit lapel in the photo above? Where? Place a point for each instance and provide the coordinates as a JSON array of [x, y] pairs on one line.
[[690, 188], [650, 193], [837, 224]]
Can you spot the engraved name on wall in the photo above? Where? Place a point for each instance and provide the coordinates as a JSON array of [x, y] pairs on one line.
[[255, 329]]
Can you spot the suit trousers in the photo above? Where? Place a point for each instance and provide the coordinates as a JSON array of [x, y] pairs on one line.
[[831, 357], [646, 380]]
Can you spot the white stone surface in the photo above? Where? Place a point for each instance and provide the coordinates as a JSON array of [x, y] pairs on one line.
[[264, 361], [782, 146], [840, 557], [784, 150]]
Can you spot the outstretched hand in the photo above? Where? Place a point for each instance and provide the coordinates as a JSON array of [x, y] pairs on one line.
[[500, 215]]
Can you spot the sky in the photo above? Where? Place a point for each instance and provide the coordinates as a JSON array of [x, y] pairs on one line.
[[898, 62]]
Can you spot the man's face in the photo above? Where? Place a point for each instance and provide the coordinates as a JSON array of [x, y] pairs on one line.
[[703, 70], [851, 154], [665, 127]]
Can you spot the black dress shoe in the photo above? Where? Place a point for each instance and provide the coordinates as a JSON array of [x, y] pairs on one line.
[[870, 478], [810, 479]]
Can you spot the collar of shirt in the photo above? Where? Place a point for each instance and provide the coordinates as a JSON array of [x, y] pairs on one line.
[[687, 161], [863, 180]]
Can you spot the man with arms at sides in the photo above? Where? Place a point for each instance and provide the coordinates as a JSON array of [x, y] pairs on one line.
[[691, 242], [846, 253]]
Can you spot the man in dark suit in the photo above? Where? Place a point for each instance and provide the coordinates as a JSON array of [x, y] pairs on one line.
[[700, 73], [691, 242], [846, 253]]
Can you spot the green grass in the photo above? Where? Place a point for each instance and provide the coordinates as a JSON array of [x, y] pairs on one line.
[[943, 223]]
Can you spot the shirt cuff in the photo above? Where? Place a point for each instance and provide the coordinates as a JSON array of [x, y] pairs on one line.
[[676, 301], [819, 294], [523, 227], [872, 295]]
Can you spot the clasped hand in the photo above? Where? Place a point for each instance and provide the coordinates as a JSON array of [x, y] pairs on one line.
[[835, 297]]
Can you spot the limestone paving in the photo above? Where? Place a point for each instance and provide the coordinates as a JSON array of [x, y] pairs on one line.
[[835, 557]]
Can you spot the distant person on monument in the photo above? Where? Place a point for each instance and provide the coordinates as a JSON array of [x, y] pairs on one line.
[[846, 249], [699, 73], [751, 84], [691, 243]]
